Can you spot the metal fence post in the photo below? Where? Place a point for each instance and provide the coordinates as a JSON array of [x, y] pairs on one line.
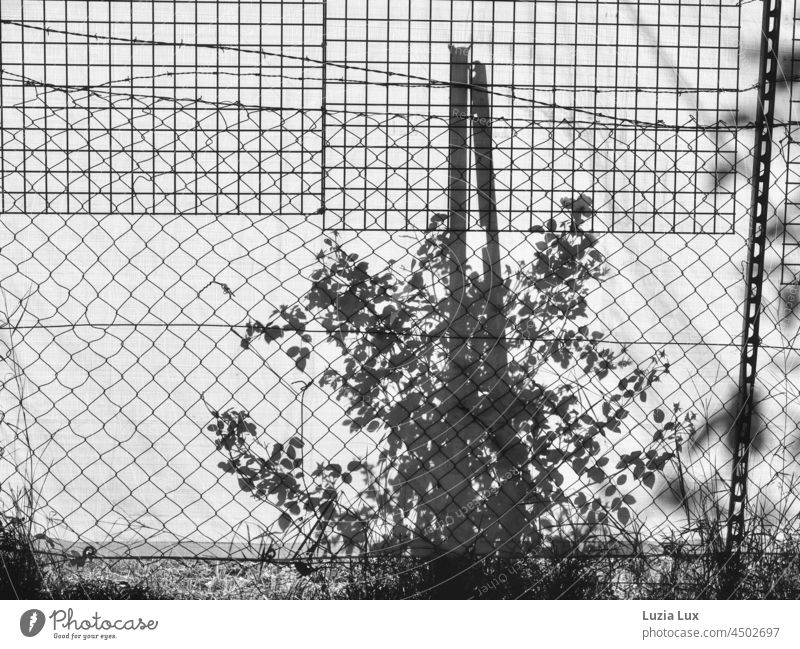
[[493, 345], [495, 351], [458, 211], [762, 149]]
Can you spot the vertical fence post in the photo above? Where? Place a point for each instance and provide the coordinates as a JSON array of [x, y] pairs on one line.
[[493, 346], [484, 168], [458, 207], [496, 354], [762, 149], [447, 566]]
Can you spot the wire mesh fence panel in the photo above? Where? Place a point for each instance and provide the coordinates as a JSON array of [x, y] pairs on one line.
[[291, 280]]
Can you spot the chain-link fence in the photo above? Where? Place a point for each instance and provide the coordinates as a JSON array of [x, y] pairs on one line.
[[290, 280]]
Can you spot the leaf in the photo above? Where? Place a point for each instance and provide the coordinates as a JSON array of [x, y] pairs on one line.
[[302, 359], [272, 332], [353, 465], [596, 474], [658, 415], [624, 515], [347, 478], [649, 479], [579, 465], [284, 520]]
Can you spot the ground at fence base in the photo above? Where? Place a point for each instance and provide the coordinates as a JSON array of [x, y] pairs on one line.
[[27, 576]]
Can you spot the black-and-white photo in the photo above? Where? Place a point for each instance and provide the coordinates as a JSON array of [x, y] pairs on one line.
[[398, 299]]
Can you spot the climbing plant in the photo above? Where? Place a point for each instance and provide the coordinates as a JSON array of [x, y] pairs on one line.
[[496, 408]]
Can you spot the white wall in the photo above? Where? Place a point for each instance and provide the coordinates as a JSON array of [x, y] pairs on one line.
[[119, 412]]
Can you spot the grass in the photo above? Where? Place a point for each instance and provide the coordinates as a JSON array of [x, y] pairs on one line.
[[20, 574], [770, 576]]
